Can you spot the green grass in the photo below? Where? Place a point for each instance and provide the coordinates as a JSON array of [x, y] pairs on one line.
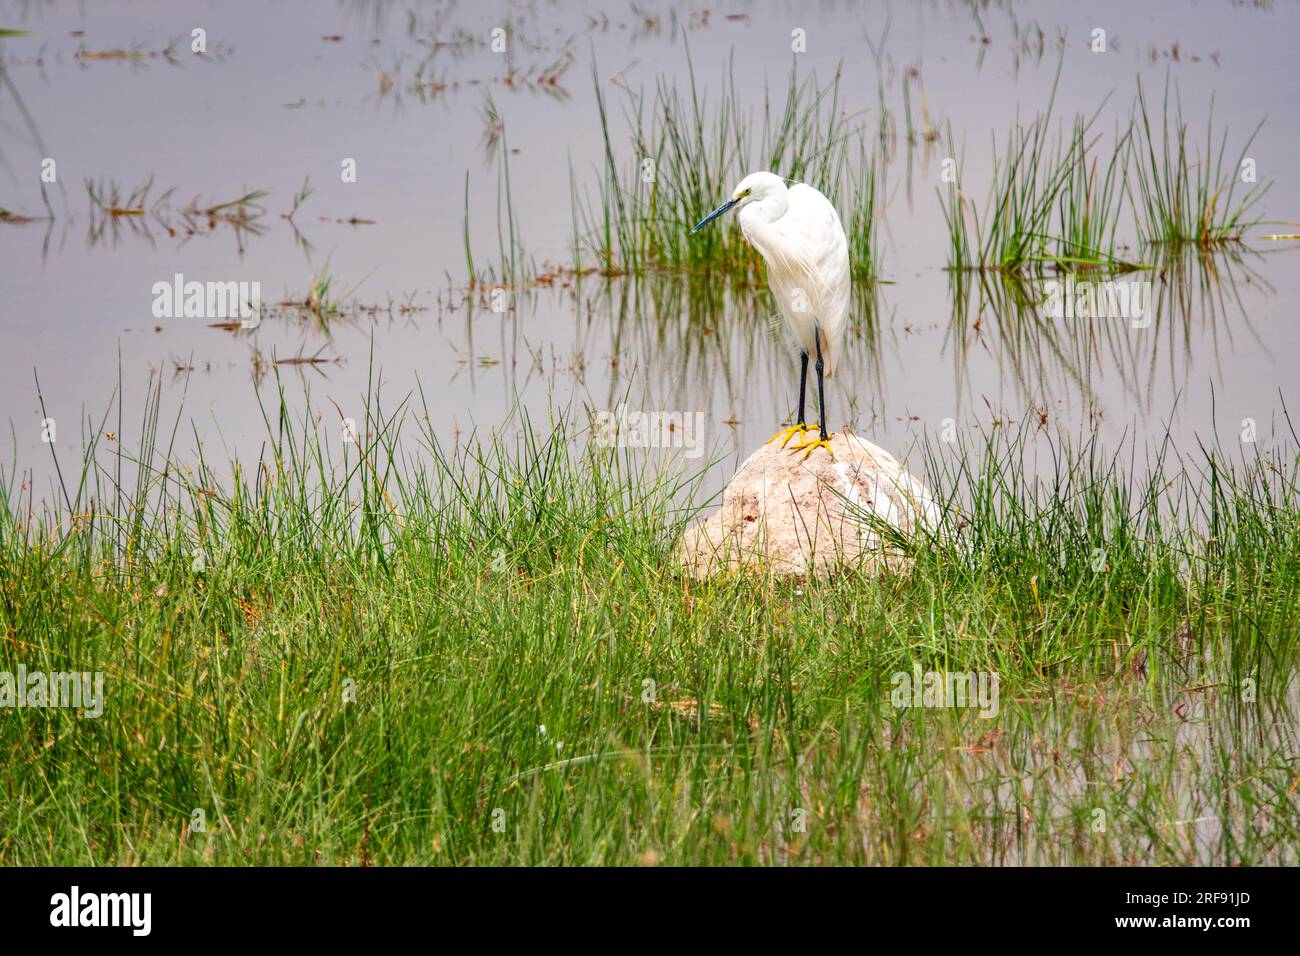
[[1057, 202], [1090, 203], [1049, 204], [1027, 179], [360, 667], [684, 154], [1185, 193]]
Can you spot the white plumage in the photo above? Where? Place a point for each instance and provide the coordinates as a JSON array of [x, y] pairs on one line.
[[798, 233]]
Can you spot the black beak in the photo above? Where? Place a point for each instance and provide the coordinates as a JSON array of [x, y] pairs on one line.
[[714, 215]]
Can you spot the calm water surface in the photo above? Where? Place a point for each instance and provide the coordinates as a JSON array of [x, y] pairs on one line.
[[291, 90]]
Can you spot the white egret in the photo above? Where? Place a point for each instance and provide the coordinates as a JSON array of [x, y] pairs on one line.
[[798, 233]]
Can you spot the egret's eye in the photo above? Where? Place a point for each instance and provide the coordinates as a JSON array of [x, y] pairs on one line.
[[742, 194]]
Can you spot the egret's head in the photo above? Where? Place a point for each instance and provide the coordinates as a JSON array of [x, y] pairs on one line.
[[755, 187]]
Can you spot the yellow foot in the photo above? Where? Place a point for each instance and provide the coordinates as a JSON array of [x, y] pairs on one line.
[[787, 433], [809, 447]]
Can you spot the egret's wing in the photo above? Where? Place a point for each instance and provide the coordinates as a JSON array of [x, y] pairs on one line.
[[807, 255], [789, 246], [816, 235], [807, 267]]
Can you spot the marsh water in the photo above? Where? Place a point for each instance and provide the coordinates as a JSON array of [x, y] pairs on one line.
[[414, 99]]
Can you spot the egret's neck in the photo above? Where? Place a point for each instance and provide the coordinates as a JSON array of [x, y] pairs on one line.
[[767, 210]]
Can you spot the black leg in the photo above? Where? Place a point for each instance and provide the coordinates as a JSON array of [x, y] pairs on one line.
[[803, 384], [821, 386]]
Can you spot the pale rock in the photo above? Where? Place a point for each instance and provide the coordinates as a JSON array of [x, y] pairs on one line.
[[798, 516]]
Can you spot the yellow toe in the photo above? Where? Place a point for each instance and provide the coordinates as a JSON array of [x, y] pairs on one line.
[[786, 434], [809, 447]]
